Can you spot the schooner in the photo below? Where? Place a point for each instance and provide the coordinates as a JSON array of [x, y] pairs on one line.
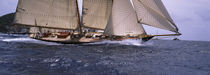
[[60, 20]]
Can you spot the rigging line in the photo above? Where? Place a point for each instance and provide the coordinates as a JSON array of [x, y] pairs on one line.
[[168, 35], [159, 14]]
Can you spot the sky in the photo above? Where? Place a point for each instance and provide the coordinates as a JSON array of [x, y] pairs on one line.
[[191, 16]]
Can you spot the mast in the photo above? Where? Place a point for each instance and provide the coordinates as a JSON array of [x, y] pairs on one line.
[[79, 22]]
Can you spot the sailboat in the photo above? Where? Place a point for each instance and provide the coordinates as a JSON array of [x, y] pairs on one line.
[[61, 21]]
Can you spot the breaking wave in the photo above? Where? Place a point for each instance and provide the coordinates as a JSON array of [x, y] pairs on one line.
[[17, 39], [29, 40], [22, 38], [135, 42]]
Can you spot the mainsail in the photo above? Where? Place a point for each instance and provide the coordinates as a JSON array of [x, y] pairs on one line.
[[58, 14], [154, 13], [96, 13], [123, 20]]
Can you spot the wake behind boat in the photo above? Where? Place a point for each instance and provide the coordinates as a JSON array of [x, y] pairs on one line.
[[60, 20]]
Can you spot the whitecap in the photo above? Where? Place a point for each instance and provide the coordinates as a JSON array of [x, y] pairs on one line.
[[2, 34], [135, 42], [29, 40], [16, 39]]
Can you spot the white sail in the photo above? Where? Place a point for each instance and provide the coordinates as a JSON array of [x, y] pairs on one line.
[[123, 20], [61, 14], [154, 13], [96, 13]]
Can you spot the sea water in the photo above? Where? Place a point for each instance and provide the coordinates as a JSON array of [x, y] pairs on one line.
[[21, 55]]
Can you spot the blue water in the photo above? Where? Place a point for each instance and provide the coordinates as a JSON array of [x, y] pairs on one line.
[[21, 55]]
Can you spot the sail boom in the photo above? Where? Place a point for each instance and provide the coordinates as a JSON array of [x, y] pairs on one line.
[[93, 28], [151, 36], [42, 26], [178, 34]]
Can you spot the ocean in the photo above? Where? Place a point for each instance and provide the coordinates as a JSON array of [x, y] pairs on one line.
[[21, 55]]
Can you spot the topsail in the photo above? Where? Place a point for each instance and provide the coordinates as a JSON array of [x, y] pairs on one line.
[[154, 13], [96, 13], [59, 14]]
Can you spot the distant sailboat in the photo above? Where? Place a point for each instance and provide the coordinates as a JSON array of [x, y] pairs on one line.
[[60, 20]]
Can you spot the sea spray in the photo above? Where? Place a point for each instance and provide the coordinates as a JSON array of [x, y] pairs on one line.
[[135, 42], [23, 38], [17, 39]]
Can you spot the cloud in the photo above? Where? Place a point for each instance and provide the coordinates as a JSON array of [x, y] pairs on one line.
[[192, 18]]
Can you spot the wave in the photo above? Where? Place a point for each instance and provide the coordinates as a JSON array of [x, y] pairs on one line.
[[135, 42], [2, 34], [28, 40], [17, 39], [22, 38]]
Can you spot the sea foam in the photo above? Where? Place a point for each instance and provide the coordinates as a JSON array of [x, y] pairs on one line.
[[28, 40], [136, 42]]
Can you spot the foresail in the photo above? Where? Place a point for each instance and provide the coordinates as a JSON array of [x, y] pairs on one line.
[[96, 13], [123, 20], [154, 13], [61, 14]]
